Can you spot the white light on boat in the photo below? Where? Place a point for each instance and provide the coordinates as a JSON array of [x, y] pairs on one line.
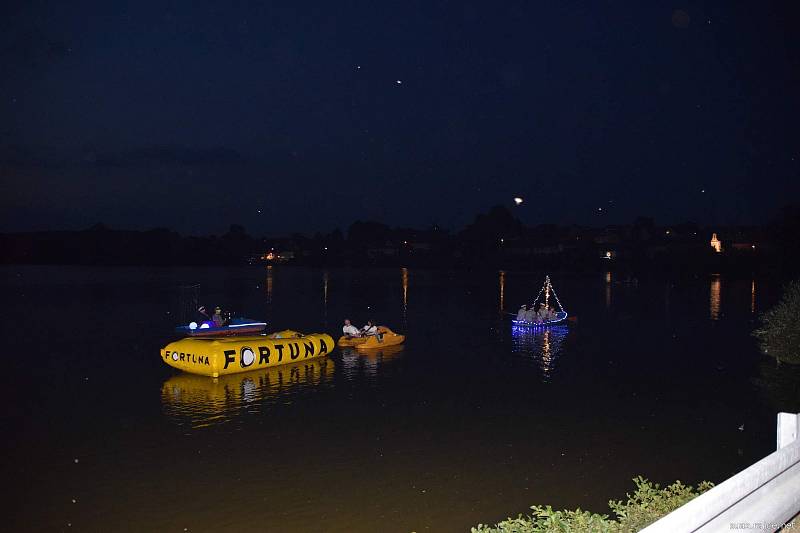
[[517, 200]]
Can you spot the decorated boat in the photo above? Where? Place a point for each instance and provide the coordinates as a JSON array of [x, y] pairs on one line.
[[556, 318], [220, 355], [385, 337], [235, 326]]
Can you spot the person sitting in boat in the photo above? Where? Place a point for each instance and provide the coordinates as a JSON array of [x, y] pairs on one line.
[[202, 319], [218, 319], [350, 330], [522, 314], [369, 329], [542, 314]]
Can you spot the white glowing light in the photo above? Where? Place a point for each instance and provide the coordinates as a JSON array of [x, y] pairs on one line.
[[399, 82], [517, 200]]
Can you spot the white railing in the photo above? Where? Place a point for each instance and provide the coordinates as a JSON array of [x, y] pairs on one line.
[[763, 497]]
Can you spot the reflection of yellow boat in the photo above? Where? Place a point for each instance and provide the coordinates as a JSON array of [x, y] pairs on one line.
[[385, 337], [207, 400], [228, 355]]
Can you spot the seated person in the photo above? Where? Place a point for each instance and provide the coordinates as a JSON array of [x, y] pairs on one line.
[[218, 319], [350, 330], [542, 314], [369, 329], [202, 317], [522, 314]]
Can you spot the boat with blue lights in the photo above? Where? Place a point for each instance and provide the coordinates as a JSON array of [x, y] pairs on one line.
[[549, 316], [235, 326]]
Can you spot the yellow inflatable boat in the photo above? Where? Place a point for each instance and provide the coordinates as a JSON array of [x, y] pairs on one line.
[[219, 356], [385, 337]]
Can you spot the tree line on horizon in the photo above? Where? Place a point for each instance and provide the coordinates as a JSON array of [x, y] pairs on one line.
[[495, 238]]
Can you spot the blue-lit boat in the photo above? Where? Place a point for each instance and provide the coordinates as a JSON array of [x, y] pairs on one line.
[[236, 326], [557, 319]]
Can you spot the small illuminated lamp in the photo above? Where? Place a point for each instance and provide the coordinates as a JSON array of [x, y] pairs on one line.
[[667, 232], [326, 247], [608, 254], [753, 246], [192, 325], [501, 240], [517, 200], [405, 242]]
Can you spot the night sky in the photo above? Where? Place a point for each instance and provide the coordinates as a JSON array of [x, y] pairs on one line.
[[304, 116]]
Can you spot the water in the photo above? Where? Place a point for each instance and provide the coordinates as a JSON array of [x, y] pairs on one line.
[[469, 422]]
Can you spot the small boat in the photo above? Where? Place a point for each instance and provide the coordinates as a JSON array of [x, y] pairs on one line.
[[544, 295], [385, 337], [236, 326]]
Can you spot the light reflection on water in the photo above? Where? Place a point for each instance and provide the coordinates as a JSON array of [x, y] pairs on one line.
[[367, 362], [202, 401], [542, 345], [714, 297], [502, 290]]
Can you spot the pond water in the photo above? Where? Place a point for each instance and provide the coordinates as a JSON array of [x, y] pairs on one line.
[[470, 421]]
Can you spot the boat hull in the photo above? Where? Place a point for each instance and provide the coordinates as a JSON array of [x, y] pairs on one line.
[[559, 320], [219, 356]]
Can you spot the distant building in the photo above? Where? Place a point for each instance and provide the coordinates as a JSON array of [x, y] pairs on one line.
[[716, 244]]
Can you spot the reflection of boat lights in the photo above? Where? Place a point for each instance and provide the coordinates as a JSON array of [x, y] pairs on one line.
[[753, 297], [608, 277], [714, 298], [502, 289], [540, 344]]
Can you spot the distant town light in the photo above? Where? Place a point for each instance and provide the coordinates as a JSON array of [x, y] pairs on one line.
[[716, 244], [517, 200]]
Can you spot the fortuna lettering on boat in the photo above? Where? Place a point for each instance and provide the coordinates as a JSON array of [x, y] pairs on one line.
[[247, 355], [188, 357]]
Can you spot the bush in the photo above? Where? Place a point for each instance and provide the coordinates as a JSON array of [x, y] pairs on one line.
[[647, 504], [780, 334]]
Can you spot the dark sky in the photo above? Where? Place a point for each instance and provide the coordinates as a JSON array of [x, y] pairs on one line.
[[303, 116]]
